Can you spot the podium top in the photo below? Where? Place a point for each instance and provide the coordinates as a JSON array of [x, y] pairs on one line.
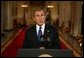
[[47, 52]]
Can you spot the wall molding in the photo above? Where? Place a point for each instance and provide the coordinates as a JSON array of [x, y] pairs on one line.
[[8, 30]]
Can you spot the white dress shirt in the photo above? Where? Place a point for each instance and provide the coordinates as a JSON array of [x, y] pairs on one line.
[[42, 28]]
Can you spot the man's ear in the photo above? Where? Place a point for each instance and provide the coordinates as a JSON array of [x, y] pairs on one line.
[[33, 18], [47, 13]]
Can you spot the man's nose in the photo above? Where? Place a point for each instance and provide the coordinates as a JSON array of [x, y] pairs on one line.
[[40, 17]]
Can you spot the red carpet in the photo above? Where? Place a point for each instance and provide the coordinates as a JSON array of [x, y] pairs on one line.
[[11, 50]]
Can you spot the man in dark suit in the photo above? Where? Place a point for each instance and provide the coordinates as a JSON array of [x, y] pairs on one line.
[[41, 35]]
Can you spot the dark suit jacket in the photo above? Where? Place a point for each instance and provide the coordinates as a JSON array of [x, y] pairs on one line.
[[31, 40]]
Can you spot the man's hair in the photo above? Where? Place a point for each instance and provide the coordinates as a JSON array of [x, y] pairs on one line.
[[38, 8]]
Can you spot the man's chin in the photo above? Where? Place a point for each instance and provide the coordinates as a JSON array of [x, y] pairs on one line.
[[40, 24]]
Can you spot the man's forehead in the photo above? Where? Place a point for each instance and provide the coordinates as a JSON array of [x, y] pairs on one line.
[[39, 12]]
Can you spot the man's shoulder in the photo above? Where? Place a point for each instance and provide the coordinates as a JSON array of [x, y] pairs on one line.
[[49, 26], [31, 29]]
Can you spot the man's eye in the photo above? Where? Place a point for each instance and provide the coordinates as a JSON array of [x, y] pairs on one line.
[[42, 15], [37, 15]]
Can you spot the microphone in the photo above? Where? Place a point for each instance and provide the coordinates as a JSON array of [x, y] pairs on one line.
[[44, 40]]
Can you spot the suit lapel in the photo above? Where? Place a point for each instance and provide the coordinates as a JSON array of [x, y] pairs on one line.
[[46, 31], [35, 37], [35, 33]]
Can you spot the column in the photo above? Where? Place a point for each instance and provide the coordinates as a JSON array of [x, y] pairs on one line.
[[53, 10], [78, 23], [20, 10], [2, 17], [64, 13], [8, 16]]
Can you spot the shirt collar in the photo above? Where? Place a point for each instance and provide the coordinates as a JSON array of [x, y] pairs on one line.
[[42, 27]]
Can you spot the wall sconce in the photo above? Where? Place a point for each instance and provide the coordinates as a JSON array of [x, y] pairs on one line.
[[24, 6], [50, 6]]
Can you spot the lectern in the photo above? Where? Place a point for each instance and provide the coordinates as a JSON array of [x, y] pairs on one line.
[[44, 53]]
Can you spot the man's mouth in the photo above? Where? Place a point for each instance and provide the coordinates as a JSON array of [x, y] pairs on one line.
[[40, 21]]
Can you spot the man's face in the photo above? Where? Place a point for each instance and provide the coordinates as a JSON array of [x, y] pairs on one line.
[[39, 17]]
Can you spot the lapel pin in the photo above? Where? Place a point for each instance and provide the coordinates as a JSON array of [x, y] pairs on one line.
[[47, 30]]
